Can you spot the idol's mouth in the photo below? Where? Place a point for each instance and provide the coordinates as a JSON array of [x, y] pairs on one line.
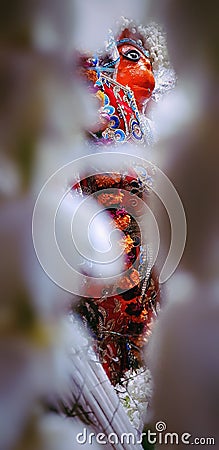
[[144, 88], [142, 91]]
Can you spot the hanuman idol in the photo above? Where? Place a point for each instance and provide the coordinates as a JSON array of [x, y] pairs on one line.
[[125, 81]]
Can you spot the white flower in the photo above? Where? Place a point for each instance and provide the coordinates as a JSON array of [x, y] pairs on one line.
[[135, 392]]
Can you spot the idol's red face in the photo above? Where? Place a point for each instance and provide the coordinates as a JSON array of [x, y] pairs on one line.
[[135, 70]]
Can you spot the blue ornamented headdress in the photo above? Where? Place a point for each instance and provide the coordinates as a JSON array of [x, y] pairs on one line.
[[137, 44]]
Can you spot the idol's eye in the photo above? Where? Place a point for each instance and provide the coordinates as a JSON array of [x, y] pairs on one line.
[[132, 55]]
